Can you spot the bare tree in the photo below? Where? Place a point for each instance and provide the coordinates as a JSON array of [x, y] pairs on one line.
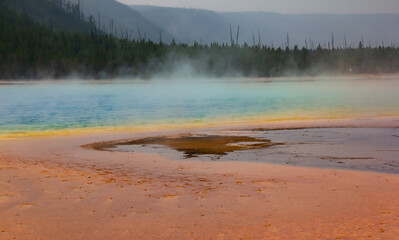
[[231, 36], [238, 34], [139, 32]]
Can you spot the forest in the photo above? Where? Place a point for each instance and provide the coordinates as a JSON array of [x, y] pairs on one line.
[[68, 43]]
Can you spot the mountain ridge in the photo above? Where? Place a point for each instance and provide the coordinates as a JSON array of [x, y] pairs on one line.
[[302, 29], [119, 19]]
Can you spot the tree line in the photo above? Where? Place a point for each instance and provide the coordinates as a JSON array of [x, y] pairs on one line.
[[30, 49]]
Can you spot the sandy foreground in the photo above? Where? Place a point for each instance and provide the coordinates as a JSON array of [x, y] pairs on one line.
[[51, 188]]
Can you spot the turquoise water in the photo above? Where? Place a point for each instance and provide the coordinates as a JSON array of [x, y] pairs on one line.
[[68, 105]]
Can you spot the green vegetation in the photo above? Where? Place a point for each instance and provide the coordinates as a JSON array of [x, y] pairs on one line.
[[32, 49]]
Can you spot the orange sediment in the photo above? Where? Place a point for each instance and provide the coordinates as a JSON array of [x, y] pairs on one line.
[[278, 123], [52, 188]]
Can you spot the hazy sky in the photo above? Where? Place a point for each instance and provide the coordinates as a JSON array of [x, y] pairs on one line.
[[281, 6]]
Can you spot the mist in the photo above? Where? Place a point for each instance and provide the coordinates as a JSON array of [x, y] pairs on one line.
[[281, 6], [304, 30]]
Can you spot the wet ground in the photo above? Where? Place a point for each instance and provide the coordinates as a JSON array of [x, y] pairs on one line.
[[193, 145], [52, 188], [367, 149]]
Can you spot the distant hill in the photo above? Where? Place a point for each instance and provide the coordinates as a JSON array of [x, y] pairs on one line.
[[190, 25], [110, 14], [51, 13], [318, 28]]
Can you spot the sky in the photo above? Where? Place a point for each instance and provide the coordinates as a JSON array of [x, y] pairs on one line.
[[281, 6]]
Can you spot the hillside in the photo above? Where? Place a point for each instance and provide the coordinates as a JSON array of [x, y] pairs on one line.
[[190, 25], [112, 16], [318, 28], [56, 14]]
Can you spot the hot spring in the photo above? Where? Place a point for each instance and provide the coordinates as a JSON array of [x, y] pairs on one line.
[[39, 107]]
